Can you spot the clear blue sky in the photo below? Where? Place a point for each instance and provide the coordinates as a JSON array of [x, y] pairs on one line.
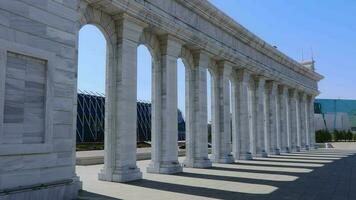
[[326, 26]]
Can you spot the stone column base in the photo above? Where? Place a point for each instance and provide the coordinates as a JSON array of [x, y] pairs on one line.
[[262, 154], [63, 190], [303, 148], [298, 149], [228, 159], [171, 167], [312, 147], [245, 156], [121, 175], [282, 150], [198, 163]]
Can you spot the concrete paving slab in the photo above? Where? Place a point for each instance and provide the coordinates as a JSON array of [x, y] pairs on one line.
[[272, 179]]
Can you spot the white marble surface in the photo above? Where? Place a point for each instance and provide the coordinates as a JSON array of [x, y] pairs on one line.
[[48, 30]]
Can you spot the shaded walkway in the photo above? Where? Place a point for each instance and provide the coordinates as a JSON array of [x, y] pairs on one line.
[[321, 174]]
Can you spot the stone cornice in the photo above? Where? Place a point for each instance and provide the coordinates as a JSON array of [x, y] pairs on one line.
[[219, 18], [166, 23]]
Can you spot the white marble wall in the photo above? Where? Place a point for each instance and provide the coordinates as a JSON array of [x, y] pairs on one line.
[[41, 153]]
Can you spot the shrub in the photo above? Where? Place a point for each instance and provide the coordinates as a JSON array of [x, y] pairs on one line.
[[328, 136], [338, 135], [349, 135], [322, 136], [344, 136]]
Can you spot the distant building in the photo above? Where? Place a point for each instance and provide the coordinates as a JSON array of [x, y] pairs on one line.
[[91, 115], [335, 114]]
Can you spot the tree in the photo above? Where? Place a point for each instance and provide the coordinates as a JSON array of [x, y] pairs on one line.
[[322, 136], [349, 135]]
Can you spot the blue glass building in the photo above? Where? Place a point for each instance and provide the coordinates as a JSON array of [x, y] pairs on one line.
[[333, 106], [91, 123]]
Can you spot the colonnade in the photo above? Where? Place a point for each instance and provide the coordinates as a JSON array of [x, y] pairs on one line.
[[268, 117], [271, 94]]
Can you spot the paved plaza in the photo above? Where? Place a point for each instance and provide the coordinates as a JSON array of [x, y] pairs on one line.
[[321, 174]]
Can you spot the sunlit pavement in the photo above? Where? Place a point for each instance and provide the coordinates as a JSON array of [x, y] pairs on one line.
[[320, 174]]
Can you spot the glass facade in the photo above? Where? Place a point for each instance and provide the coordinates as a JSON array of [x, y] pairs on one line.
[[334, 106], [91, 123]]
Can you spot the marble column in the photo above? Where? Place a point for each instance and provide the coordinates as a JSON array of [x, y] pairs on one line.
[[274, 117], [302, 120], [252, 115], [261, 118], [242, 148], [311, 122], [164, 111], [295, 120], [221, 117], [196, 113], [306, 122], [235, 115], [120, 131], [285, 120]]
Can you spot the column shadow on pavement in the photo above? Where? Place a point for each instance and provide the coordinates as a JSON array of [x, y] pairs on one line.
[[85, 195], [321, 183]]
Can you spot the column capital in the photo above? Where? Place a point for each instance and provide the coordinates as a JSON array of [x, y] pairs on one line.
[[272, 85], [201, 58], [243, 75], [304, 96], [285, 90], [126, 17], [311, 96], [170, 45], [261, 81], [225, 67], [129, 27], [294, 93], [259, 78]]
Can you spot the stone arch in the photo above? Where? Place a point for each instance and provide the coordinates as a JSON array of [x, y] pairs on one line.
[[187, 58], [212, 69], [153, 45], [98, 18], [106, 25]]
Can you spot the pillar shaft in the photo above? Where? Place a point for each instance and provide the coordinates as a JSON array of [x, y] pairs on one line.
[[221, 119], [236, 146], [261, 118], [120, 131], [285, 120], [164, 115], [302, 119], [295, 120], [274, 117], [196, 113], [311, 122], [242, 146], [305, 122]]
